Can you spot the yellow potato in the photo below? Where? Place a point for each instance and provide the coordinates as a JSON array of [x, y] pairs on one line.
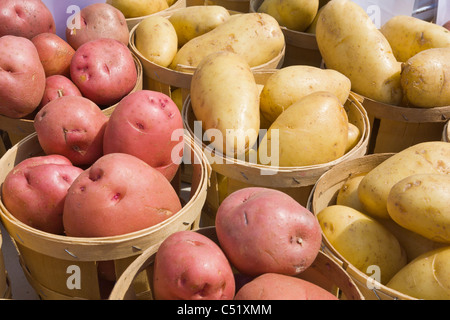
[[350, 43], [294, 14], [354, 134], [313, 130], [362, 241], [413, 243], [410, 35], [348, 193], [421, 203], [156, 40], [138, 8], [425, 77], [191, 22], [289, 84], [255, 36], [425, 157], [427, 277], [225, 98]]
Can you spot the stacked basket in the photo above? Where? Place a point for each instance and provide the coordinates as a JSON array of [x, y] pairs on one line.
[[5, 289], [48, 260]]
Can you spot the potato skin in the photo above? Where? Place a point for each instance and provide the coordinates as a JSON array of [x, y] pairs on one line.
[[424, 78], [362, 240], [409, 35], [295, 15], [426, 277], [350, 43], [265, 230], [426, 157], [34, 191], [289, 84], [22, 77], [255, 36], [313, 130], [99, 20], [156, 39], [139, 8], [273, 286], [142, 124], [117, 195], [225, 97], [193, 21], [190, 266], [104, 71], [25, 18], [72, 126], [420, 203]]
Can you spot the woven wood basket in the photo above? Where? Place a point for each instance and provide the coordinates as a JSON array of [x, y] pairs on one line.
[[446, 132], [295, 181], [324, 194], [396, 128], [301, 47], [46, 258], [324, 272], [166, 80], [14, 130], [131, 22]]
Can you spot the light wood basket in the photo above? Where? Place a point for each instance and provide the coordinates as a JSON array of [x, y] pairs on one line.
[[301, 47], [14, 130], [324, 194], [396, 128], [45, 257], [446, 132], [166, 80], [131, 22], [5, 288], [233, 5], [295, 181], [324, 272]]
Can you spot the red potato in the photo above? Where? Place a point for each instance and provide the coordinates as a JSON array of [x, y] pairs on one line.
[[72, 126], [57, 86], [99, 20], [34, 191], [22, 77], [104, 71], [265, 230], [55, 54], [142, 124], [273, 286], [118, 194], [25, 18], [190, 266]]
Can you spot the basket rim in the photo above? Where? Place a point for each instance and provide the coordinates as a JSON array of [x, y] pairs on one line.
[[74, 242], [342, 169], [182, 79]]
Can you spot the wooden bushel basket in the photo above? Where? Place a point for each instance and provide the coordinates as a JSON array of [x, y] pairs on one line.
[[301, 47], [323, 272], [131, 22], [49, 259], [14, 130], [166, 80], [396, 128], [295, 181], [324, 194]]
